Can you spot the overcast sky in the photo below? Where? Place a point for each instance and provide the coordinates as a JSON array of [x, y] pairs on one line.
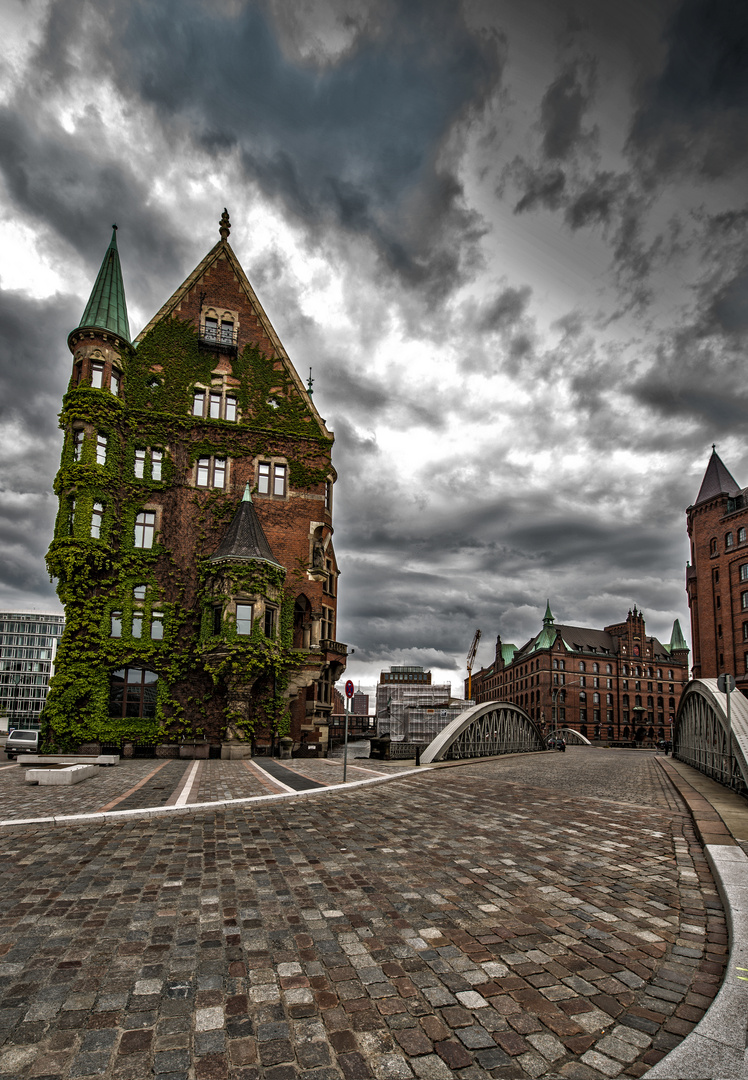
[[509, 238]]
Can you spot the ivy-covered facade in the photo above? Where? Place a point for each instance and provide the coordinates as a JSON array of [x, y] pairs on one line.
[[193, 545]]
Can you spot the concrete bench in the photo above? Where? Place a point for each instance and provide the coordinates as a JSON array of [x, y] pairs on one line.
[[68, 759], [72, 774]]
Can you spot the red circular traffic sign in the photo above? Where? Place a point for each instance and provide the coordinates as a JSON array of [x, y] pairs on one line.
[[349, 691]]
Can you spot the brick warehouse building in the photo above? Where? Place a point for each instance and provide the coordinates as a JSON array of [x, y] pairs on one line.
[[193, 544], [717, 576], [615, 684]]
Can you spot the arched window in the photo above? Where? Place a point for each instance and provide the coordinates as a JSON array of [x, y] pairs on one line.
[[713, 546], [608, 669], [132, 692], [582, 665], [728, 540], [596, 667]]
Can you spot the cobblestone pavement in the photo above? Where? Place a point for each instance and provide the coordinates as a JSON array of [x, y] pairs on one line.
[[142, 783], [447, 923]]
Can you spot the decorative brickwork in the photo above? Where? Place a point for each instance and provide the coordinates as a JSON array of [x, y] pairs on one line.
[[717, 576], [193, 547], [616, 684]]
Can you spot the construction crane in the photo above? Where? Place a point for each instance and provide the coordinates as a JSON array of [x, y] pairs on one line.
[[470, 660]]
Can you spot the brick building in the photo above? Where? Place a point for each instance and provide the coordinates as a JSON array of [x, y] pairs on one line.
[[193, 545], [717, 576], [615, 684]]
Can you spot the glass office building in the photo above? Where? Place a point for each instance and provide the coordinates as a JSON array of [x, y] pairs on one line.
[[28, 644]]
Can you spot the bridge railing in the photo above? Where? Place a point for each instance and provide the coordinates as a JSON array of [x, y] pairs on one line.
[[496, 727], [703, 738]]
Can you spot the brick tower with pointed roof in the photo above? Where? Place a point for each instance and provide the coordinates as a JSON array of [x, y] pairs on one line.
[[193, 546], [717, 575]]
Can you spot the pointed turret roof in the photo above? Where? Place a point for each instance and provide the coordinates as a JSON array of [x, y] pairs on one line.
[[677, 641], [244, 539], [106, 308], [547, 635], [717, 480]]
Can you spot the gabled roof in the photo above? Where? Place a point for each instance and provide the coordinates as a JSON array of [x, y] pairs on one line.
[[244, 539], [106, 308], [224, 250], [717, 480]]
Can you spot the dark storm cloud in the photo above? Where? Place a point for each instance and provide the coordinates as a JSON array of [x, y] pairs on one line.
[[562, 111], [55, 179], [32, 339], [32, 382], [693, 113], [359, 144]]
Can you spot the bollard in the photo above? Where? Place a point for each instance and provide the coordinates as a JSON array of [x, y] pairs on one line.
[[418, 755]]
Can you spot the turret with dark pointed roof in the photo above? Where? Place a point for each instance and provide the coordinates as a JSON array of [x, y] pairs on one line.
[[245, 539], [717, 480], [106, 308]]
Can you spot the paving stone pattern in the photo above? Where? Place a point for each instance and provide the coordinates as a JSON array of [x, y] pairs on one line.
[[215, 780], [447, 923]]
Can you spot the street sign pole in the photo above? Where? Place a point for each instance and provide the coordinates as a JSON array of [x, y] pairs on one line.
[[349, 691]]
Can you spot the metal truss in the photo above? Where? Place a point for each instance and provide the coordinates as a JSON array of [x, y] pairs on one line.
[[702, 738], [497, 727], [572, 736]]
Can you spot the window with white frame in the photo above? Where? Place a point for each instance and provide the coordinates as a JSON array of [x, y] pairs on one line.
[[145, 529], [271, 478], [244, 619], [210, 472], [97, 516], [741, 535], [198, 403], [744, 572], [230, 408], [77, 443], [137, 625], [157, 625], [97, 375], [138, 592], [214, 405], [114, 382], [145, 457], [116, 624]]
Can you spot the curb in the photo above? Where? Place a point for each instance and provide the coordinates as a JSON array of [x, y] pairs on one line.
[[716, 1047]]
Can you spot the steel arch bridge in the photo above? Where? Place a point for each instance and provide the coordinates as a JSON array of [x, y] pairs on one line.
[[572, 736], [702, 738], [496, 727]]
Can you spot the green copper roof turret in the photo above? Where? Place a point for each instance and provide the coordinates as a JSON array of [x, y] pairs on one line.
[[106, 308], [547, 635], [677, 641]]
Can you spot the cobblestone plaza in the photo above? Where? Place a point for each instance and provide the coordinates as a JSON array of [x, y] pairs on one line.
[[473, 921]]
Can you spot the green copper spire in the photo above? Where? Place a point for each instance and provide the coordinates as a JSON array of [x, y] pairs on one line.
[[677, 641], [547, 635], [247, 496], [106, 308]]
